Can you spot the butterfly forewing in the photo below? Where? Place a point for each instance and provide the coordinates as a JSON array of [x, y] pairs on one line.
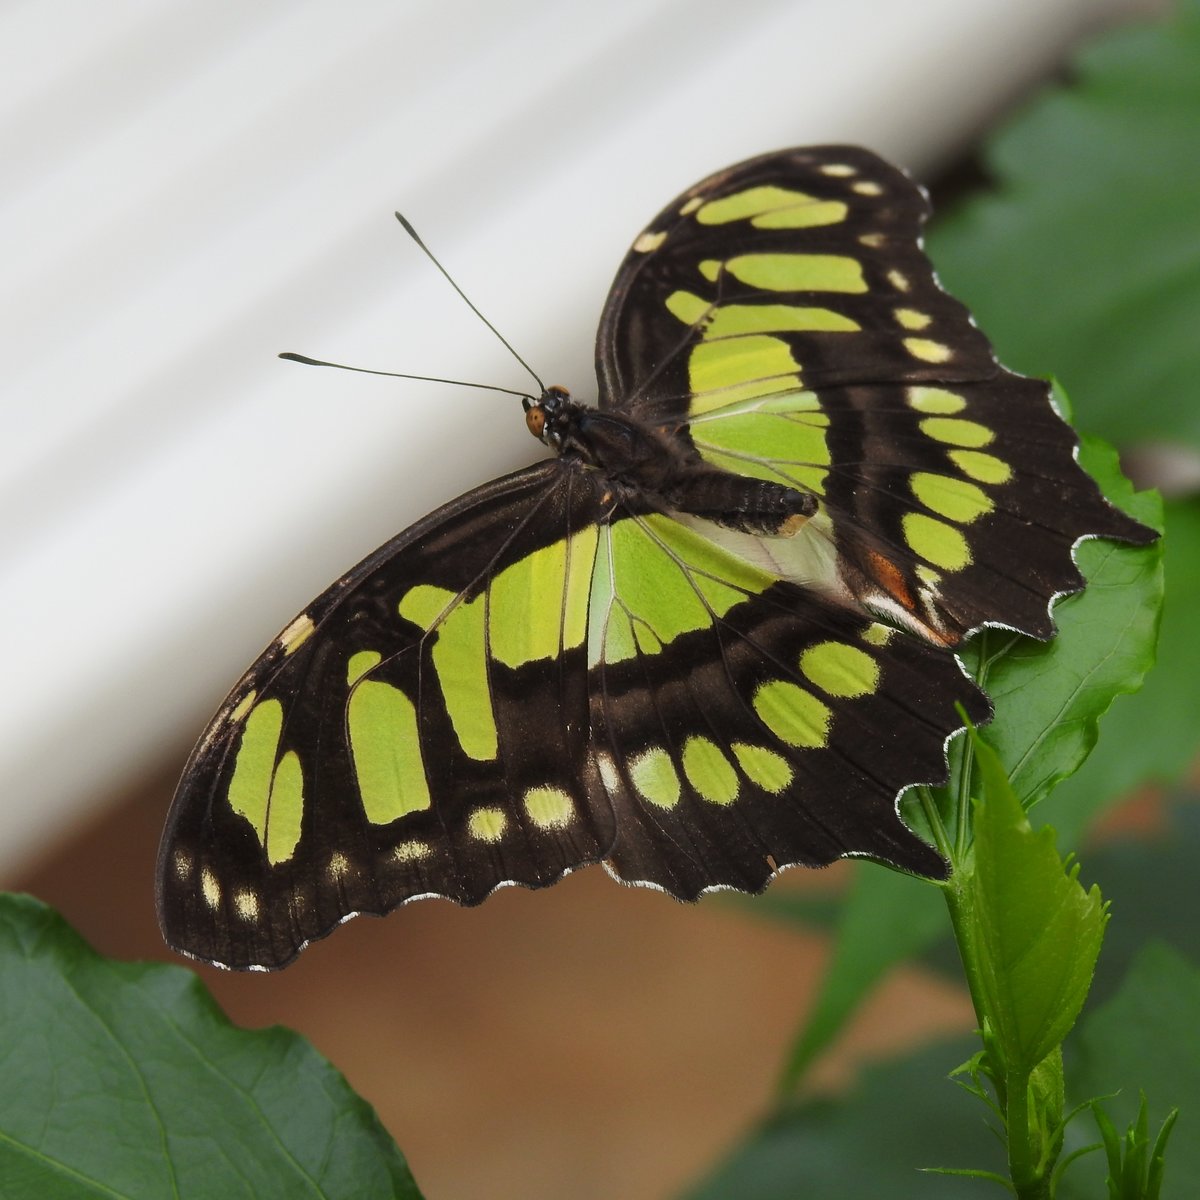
[[783, 318], [802, 268]]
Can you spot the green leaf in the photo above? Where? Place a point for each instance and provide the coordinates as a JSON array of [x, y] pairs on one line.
[[1156, 1166], [902, 1118], [1135, 1166], [1085, 260], [1049, 696], [1106, 645], [125, 1080], [1146, 1037], [886, 918], [1153, 734], [1032, 933]]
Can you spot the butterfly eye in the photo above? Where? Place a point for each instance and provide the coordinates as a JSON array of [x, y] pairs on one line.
[[535, 418]]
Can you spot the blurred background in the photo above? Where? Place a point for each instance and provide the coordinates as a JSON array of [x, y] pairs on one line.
[[192, 187]]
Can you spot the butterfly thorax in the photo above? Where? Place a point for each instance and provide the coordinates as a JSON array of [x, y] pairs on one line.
[[659, 464]]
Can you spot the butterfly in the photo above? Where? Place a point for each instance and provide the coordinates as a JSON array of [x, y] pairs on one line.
[[711, 637]]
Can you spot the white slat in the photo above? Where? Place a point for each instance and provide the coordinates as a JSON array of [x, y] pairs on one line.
[[191, 186]]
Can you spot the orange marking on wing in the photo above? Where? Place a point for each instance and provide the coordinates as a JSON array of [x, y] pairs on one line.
[[891, 579]]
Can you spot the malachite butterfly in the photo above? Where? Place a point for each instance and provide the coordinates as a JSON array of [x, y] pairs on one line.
[[710, 638]]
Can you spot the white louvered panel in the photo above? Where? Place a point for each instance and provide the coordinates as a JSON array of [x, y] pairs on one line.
[[190, 187]]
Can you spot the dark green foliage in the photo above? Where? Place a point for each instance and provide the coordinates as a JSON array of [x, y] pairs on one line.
[[124, 1079]]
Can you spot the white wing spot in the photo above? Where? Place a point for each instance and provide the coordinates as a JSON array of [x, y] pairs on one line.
[[867, 187], [297, 633], [898, 280], [210, 889], [245, 902], [183, 865], [413, 851], [649, 241], [838, 170], [609, 775], [339, 866]]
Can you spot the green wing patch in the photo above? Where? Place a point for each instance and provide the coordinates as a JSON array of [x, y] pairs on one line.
[[656, 580]]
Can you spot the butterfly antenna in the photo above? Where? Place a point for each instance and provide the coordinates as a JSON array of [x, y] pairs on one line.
[[317, 362], [416, 237]]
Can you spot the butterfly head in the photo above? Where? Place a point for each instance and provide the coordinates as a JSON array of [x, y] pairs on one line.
[[550, 415]]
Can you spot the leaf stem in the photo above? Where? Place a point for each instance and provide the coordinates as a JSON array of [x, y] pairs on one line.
[[1030, 1181], [960, 922], [937, 826]]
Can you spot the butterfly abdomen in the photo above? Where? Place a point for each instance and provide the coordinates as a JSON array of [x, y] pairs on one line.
[[739, 502]]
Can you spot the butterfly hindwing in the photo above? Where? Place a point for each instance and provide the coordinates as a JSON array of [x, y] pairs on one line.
[[421, 729], [744, 723]]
